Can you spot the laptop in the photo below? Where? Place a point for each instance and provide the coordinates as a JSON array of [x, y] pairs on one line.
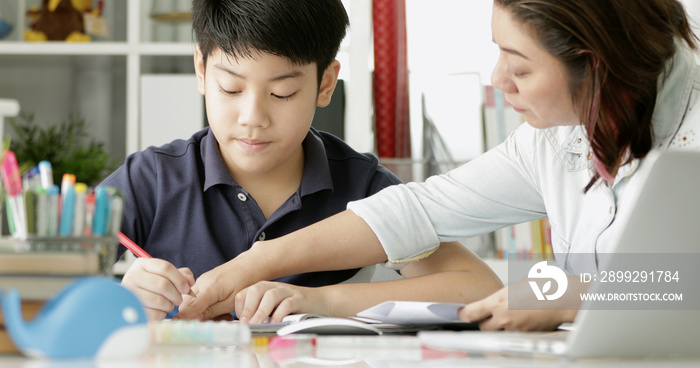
[[665, 218]]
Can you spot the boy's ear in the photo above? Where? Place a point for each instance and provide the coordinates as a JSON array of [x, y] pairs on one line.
[[199, 69], [328, 82]]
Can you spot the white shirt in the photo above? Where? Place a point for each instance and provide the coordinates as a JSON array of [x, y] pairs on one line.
[[535, 173]]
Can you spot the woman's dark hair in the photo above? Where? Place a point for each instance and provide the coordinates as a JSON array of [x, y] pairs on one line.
[[615, 51], [304, 31]]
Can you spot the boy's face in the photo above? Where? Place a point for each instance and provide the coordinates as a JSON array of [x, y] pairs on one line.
[[260, 108]]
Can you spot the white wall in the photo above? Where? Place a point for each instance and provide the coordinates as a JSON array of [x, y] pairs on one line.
[[450, 55], [448, 37]]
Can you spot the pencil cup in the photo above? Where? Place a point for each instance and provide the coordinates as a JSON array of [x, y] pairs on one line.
[[40, 267]]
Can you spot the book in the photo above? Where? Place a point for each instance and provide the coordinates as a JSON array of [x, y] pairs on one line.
[[286, 320], [329, 326], [410, 313], [386, 317], [529, 239]]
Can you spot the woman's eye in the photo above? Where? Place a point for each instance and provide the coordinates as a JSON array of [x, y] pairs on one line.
[[517, 73]]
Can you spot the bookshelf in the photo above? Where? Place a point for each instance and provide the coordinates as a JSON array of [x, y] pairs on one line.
[[528, 240], [101, 79], [98, 79]]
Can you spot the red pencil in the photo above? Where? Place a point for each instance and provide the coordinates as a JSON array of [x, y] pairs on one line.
[[139, 252], [130, 245]]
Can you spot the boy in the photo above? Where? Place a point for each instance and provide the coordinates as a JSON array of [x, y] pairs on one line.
[[258, 171]]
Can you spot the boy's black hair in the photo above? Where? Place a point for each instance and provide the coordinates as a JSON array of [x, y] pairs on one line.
[[304, 31]]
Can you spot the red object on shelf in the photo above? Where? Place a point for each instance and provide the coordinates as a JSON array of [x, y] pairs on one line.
[[391, 79]]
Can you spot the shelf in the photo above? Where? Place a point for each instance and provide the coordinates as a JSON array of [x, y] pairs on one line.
[[163, 48], [95, 48], [100, 80], [53, 48]]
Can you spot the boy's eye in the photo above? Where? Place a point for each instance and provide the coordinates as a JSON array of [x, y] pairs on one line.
[[287, 97], [228, 92]]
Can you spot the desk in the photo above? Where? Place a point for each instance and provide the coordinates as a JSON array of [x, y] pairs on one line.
[[260, 356]]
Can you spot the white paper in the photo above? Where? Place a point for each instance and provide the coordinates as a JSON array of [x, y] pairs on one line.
[[412, 313]]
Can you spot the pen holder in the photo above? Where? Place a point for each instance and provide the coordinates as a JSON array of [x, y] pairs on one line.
[[39, 268], [61, 256]]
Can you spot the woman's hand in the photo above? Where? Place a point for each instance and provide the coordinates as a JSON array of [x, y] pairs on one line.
[[158, 285], [276, 300], [495, 314]]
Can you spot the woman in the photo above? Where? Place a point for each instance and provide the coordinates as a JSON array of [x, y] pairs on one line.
[[601, 83]]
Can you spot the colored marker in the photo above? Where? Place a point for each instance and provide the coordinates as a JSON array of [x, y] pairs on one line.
[[67, 208], [42, 212], [68, 181], [31, 180], [139, 252], [99, 222], [116, 211], [79, 219], [53, 210], [30, 203], [46, 174], [89, 214], [13, 186]]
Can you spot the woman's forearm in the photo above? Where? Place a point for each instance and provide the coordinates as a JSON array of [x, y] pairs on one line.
[[449, 287], [341, 241], [452, 274]]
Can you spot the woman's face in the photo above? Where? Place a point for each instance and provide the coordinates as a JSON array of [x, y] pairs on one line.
[[532, 80]]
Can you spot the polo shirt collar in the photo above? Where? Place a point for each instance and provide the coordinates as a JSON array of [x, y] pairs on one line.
[[215, 170], [317, 173], [316, 176]]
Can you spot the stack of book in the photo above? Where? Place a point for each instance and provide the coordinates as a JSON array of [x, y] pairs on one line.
[[529, 240], [39, 268]]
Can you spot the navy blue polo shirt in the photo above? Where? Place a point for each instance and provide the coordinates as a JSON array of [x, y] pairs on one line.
[[182, 205]]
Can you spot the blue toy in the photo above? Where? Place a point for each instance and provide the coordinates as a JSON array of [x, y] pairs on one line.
[[94, 317], [5, 28]]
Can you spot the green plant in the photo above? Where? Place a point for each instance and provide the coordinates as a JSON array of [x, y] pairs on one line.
[[63, 146]]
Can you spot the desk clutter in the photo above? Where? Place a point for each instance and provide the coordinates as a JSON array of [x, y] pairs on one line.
[[59, 235], [39, 268], [94, 317], [38, 207]]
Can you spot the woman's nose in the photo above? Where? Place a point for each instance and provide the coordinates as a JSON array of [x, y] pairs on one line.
[[501, 79]]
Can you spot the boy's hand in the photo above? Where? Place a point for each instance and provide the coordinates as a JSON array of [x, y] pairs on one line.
[[256, 303], [217, 288], [158, 285]]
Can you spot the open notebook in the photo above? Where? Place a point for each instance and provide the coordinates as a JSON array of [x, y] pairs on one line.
[[398, 317], [665, 218]]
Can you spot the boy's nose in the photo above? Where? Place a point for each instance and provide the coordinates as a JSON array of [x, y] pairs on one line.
[[253, 113]]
